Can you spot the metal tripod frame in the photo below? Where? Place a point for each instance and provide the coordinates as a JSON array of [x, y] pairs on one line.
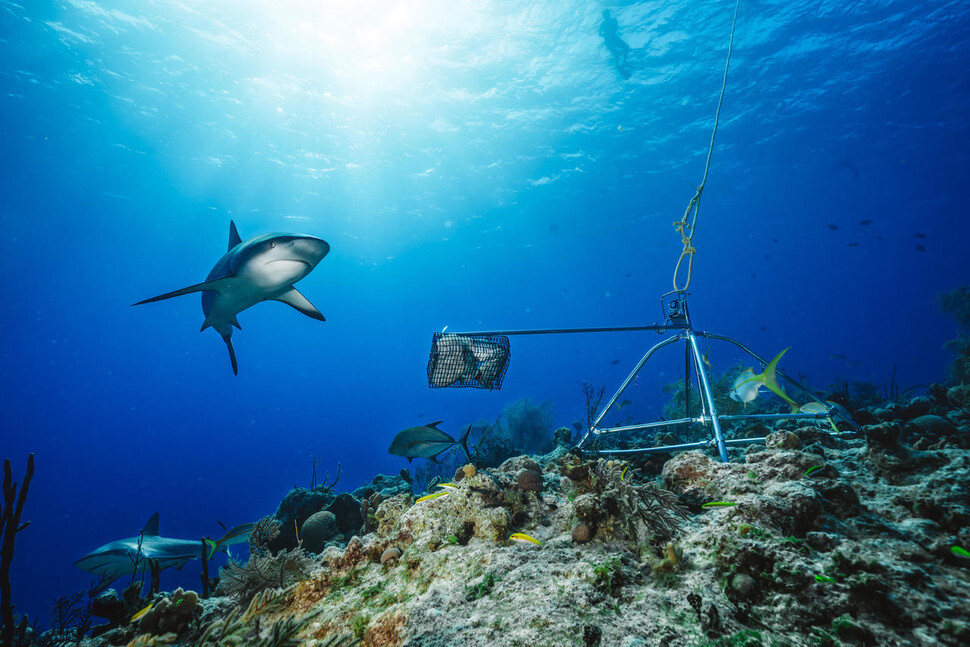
[[678, 317]]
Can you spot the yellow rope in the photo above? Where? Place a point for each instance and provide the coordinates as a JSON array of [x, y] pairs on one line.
[[685, 228]]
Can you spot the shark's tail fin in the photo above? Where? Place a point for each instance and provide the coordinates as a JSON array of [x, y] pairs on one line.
[[232, 354], [235, 535], [463, 441]]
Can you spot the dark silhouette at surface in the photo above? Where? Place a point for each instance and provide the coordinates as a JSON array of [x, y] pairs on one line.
[[609, 30]]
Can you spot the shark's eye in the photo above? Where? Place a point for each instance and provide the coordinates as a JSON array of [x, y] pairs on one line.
[[272, 244]]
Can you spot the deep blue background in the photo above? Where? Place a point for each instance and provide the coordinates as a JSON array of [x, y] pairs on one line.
[[472, 164]]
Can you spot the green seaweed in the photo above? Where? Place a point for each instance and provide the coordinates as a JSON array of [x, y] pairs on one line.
[[608, 577], [359, 625], [481, 589]]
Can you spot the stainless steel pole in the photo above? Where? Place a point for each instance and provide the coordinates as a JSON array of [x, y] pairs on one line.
[[707, 394]]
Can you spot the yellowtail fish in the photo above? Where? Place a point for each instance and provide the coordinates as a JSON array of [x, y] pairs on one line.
[[138, 616], [447, 486], [748, 383], [435, 495], [522, 538]]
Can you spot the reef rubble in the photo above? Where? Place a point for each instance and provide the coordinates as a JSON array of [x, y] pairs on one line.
[[807, 539]]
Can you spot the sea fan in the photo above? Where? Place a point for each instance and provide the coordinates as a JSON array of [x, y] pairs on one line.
[[264, 570]]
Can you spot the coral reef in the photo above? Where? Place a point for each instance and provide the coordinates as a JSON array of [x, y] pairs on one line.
[[865, 536], [318, 529], [171, 614]]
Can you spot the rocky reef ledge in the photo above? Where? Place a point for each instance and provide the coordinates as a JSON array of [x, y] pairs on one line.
[[806, 540]]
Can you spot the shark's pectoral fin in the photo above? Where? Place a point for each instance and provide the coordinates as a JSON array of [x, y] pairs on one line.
[[232, 354], [296, 300], [217, 285]]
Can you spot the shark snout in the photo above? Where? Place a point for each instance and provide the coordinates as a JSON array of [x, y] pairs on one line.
[[309, 249]]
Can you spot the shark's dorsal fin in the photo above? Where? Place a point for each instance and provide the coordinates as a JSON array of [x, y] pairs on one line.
[[151, 526], [296, 300], [216, 285], [234, 238]]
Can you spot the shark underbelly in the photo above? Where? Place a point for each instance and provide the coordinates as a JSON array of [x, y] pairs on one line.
[[221, 308]]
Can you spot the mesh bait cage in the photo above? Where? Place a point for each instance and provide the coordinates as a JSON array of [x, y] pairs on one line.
[[470, 361]]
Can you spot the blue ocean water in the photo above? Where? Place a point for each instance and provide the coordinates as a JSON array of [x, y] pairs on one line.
[[473, 164]]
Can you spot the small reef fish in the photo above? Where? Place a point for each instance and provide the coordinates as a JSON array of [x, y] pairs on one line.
[[817, 407], [447, 486], [813, 407], [522, 538], [426, 442], [433, 495], [748, 383], [706, 359], [625, 403], [813, 469], [263, 268], [138, 616]]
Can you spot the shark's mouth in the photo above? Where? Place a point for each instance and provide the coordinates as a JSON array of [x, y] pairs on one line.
[[290, 260]]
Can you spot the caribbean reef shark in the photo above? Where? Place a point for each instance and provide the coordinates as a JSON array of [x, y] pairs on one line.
[[263, 268], [127, 557]]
